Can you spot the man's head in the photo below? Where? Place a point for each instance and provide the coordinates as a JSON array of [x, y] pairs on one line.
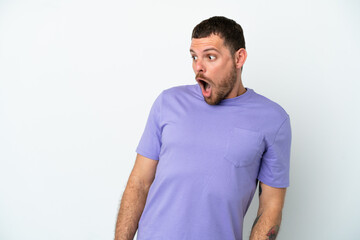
[[218, 52], [225, 28]]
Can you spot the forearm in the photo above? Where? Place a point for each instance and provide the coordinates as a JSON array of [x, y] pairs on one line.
[[266, 225], [131, 208]]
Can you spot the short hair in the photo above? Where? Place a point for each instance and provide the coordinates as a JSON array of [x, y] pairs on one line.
[[228, 29]]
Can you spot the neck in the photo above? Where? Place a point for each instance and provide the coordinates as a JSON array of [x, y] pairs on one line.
[[241, 91], [241, 88]]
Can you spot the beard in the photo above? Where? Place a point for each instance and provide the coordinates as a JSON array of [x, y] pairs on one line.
[[223, 89]]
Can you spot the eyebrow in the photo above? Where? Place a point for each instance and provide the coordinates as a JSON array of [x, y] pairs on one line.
[[206, 50]]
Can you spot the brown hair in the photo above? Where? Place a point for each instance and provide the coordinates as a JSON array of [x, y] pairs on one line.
[[225, 28]]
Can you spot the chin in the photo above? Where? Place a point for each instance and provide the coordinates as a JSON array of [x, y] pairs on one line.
[[212, 102]]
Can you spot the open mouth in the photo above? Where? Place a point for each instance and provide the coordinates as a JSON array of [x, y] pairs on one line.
[[205, 87], [205, 84]]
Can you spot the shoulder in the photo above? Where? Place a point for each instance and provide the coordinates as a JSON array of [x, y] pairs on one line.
[[175, 95], [179, 93], [269, 109], [180, 89]]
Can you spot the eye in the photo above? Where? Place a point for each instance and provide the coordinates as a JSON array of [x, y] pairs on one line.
[[194, 57], [211, 57]]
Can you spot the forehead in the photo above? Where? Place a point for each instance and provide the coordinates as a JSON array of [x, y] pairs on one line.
[[213, 41]]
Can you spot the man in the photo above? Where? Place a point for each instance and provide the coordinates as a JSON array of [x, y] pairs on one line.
[[204, 149]]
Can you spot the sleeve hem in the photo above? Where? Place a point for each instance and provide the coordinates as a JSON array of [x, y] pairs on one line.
[[147, 154], [286, 185]]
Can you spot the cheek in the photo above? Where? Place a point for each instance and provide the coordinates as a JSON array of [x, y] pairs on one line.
[[217, 72], [223, 71]]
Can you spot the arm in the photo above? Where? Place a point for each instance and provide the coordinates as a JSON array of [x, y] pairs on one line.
[[267, 222], [134, 197]]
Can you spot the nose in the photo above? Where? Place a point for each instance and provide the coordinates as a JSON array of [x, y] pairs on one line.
[[199, 66]]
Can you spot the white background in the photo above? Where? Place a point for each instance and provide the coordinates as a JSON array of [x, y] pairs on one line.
[[78, 78]]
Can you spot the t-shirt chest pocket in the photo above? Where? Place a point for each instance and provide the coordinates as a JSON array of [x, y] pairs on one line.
[[242, 146]]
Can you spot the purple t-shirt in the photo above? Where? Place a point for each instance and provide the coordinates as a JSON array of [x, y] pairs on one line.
[[210, 158]]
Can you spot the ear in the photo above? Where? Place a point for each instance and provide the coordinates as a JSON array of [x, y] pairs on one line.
[[240, 57]]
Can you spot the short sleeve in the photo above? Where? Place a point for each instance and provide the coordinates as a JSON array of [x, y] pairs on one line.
[[275, 163], [150, 142]]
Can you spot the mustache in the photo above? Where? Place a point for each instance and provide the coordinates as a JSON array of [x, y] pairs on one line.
[[200, 75]]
